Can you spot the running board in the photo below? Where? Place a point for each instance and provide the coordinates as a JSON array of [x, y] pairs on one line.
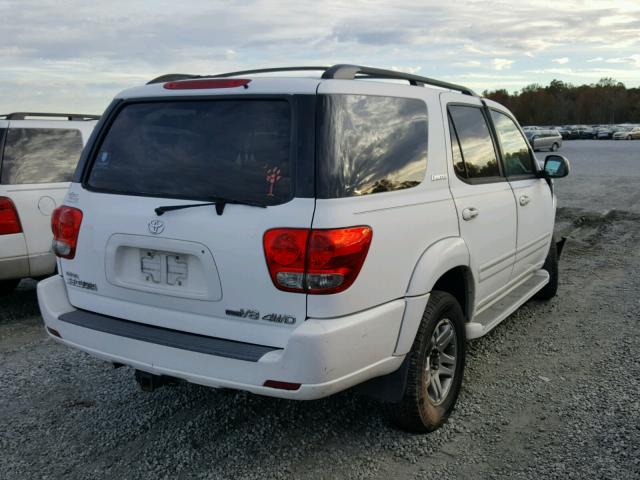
[[487, 320]]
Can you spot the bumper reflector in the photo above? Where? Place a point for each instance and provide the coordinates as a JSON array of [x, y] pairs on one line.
[[281, 385], [54, 332]]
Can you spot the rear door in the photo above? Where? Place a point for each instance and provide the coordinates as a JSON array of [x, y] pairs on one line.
[[200, 269], [484, 200], [532, 195], [38, 163]]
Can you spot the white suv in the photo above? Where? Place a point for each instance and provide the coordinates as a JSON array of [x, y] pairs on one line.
[[38, 154], [295, 237]]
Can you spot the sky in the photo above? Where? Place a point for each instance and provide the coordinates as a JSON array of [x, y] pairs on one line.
[[75, 56]]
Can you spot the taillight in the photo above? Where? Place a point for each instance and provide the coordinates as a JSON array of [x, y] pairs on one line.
[[65, 224], [316, 261], [207, 83], [9, 220]]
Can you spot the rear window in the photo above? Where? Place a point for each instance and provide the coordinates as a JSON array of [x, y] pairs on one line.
[[370, 144], [40, 155], [237, 149]]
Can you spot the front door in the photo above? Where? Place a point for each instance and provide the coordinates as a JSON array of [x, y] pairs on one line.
[[532, 196]]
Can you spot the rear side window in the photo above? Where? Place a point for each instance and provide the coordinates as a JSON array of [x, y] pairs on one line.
[[40, 155], [477, 153], [370, 144], [236, 149], [515, 152]]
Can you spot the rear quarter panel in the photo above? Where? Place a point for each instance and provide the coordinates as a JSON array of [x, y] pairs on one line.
[[404, 222]]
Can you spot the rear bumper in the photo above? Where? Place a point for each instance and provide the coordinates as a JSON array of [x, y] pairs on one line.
[[324, 356], [14, 262], [16, 267]]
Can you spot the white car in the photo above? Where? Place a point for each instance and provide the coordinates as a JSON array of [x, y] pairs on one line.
[[295, 237], [38, 154]]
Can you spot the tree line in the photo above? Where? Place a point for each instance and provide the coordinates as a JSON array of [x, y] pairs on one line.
[[560, 103]]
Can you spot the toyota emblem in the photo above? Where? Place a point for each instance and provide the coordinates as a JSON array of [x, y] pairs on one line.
[[156, 226]]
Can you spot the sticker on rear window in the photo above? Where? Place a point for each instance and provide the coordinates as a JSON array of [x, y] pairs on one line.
[[273, 176]]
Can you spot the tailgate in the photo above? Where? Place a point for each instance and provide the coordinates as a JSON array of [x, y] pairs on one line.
[[195, 269]]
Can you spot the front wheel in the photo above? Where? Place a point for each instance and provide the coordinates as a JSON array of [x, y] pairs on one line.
[[436, 367], [555, 147]]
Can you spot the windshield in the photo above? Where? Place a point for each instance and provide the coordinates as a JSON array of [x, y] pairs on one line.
[[240, 149]]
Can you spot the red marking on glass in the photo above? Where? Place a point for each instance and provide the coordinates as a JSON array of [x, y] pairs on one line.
[[273, 175]]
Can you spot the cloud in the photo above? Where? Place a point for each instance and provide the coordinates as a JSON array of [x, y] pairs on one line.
[[561, 60], [412, 70], [501, 63], [633, 59], [78, 55]]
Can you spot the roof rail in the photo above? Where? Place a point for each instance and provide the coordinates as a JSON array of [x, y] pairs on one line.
[[338, 72], [351, 72], [172, 77], [272, 70], [68, 116]]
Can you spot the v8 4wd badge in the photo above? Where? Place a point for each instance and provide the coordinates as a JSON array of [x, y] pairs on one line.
[[255, 315]]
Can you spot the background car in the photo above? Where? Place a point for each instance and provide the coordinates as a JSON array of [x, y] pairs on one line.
[[544, 139], [604, 133], [586, 133], [38, 154], [627, 133]]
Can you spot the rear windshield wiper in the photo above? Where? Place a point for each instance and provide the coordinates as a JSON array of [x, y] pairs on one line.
[[219, 203]]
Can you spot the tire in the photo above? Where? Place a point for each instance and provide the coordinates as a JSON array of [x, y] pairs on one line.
[[420, 410], [554, 147], [550, 265], [8, 286]]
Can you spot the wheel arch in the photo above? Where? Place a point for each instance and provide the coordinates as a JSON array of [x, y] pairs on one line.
[[443, 266]]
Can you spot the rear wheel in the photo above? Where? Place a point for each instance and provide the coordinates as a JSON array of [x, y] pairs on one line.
[[554, 147], [550, 265], [436, 367], [8, 286]]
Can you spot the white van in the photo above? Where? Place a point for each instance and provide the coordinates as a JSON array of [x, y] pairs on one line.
[[295, 237], [38, 154]]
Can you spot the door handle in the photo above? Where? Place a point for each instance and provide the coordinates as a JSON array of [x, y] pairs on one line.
[[470, 213], [524, 200]]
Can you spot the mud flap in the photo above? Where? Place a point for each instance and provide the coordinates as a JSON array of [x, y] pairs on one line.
[[387, 388], [560, 245]]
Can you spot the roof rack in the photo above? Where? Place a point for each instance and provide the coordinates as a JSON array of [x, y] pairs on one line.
[[172, 77], [338, 72], [351, 72], [68, 116]]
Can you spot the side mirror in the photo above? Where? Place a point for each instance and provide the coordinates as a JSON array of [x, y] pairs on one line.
[[556, 166]]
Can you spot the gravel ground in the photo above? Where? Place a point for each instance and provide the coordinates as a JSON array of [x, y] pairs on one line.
[[552, 392]]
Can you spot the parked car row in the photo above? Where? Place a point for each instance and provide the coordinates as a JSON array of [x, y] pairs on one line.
[[589, 132]]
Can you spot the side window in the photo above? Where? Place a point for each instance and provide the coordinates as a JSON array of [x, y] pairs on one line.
[[370, 144], [458, 161], [516, 155], [477, 156], [40, 155]]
